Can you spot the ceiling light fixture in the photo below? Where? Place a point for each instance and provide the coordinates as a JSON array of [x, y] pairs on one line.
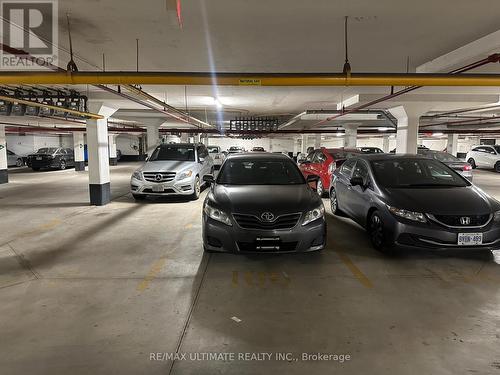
[[217, 103]]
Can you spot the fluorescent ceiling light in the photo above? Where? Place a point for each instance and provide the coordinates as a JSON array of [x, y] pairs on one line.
[[217, 103], [437, 134], [382, 129]]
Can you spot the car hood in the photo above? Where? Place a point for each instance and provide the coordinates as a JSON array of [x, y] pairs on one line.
[[443, 201], [166, 166], [256, 199]]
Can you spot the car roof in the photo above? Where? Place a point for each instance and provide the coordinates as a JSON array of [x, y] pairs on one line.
[[180, 144], [262, 155], [382, 157]]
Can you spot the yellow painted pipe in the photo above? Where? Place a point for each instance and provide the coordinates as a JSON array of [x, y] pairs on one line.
[[43, 105], [246, 79]]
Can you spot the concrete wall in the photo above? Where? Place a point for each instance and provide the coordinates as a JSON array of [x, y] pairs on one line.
[[128, 144], [29, 143], [269, 144]]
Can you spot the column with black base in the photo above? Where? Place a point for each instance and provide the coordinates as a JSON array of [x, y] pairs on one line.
[[97, 141], [79, 150], [4, 176]]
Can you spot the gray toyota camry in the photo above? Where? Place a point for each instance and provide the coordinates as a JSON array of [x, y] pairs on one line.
[[413, 201], [261, 203]]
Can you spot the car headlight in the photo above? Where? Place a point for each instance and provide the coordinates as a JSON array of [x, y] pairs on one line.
[[496, 216], [137, 175], [185, 174], [317, 213], [409, 215], [216, 214]]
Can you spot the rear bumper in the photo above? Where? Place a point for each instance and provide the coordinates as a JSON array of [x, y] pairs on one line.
[[44, 163], [234, 239]]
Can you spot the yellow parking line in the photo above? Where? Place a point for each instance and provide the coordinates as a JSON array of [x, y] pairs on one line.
[[235, 278], [155, 270], [188, 226], [355, 270]]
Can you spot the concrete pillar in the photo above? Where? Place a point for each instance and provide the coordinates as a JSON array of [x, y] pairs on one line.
[[452, 145], [303, 145], [4, 175], [153, 138], [79, 150], [97, 139], [113, 160], [317, 141], [385, 144], [407, 130], [351, 135], [184, 137]]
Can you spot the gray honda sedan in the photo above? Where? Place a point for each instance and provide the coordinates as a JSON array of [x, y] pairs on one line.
[[413, 201], [261, 203]]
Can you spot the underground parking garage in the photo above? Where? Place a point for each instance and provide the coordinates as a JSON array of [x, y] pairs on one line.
[[218, 188]]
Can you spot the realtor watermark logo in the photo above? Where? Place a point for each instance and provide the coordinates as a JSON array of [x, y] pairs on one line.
[[29, 26]]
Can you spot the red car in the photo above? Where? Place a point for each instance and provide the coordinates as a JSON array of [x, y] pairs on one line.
[[322, 162]]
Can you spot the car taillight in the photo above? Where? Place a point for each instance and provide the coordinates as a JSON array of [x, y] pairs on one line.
[[467, 167]]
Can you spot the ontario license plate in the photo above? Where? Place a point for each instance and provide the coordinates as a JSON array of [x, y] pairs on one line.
[[158, 188], [470, 239]]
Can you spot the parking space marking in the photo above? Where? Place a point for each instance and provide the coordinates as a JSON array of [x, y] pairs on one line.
[[262, 279], [362, 278], [153, 272]]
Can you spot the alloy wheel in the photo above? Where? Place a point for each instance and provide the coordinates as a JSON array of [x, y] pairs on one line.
[[333, 201], [19, 162], [62, 164], [319, 188], [376, 230], [472, 163]]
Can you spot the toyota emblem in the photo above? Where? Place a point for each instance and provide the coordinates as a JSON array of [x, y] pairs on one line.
[[158, 177], [465, 220], [267, 216]]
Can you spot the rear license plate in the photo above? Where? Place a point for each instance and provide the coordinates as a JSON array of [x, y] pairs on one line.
[[38, 158], [470, 239], [158, 188]]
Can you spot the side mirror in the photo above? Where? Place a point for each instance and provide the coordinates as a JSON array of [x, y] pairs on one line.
[[312, 178], [357, 181], [209, 178]]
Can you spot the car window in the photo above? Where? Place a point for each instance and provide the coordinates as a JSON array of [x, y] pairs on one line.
[[497, 149], [347, 167], [213, 149], [310, 156], [320, 156], [360, 170]]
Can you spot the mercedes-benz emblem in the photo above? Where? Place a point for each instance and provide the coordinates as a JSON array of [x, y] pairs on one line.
[[158, 177], [267, 216], [465, 220]]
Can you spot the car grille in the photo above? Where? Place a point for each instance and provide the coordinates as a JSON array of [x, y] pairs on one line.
[[455, 220], [159, 176], [287, 221], [272, 247]]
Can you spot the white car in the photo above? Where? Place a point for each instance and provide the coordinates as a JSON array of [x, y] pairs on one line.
[[217, 155], [484, 156]]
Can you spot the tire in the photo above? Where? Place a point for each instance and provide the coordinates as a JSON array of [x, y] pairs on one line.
[[334, 204], [19, 162], [472, 162], [197, 189], [139, 197], [319, 188], [378, 235], [497, 167], [62, 165]]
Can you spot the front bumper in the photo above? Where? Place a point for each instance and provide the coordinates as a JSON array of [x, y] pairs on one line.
[[175, 187], [434, 236], [234, 239]]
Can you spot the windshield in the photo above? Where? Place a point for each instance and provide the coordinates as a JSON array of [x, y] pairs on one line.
[[213, 149], [402, 173], [173, 152], [370, 150], [260, 172], [444, 157], [47, 150], [497, 148]]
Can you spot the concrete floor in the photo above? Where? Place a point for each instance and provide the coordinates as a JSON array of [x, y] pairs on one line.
[[97, 289]]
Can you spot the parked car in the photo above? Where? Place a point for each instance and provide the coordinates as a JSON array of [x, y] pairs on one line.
[[172, 169], [484, 156], [235, 149], [322, 162], [462, 167], [419, 147], [258, 149], [217, 155], [261, 203], [51, 157], [14, 160], [370, 150], [416, 202]]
